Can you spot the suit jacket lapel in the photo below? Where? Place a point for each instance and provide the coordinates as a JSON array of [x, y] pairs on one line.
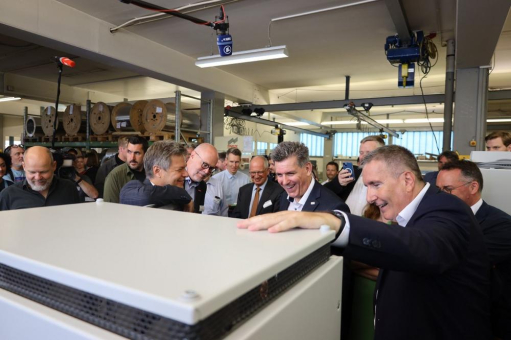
[[314, 197], [268, 189]]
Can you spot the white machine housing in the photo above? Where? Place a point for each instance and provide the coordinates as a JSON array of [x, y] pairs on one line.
[[181, 266]]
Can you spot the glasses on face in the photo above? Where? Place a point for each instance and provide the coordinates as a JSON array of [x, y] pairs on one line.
[[256, 173], [205, 165], [449, 189], [8, 149]]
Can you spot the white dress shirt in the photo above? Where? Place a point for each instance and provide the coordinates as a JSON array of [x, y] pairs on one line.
[[298, 205], [475, 207], [402, 218], [357, 198]]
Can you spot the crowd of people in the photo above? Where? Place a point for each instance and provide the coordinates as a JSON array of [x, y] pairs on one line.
[[441, 254]]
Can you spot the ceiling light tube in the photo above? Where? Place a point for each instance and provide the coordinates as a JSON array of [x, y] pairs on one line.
[[503, 120], [339, 122], [424, 120], [267, 53], [8, 99], [390, 121], [296, 123]]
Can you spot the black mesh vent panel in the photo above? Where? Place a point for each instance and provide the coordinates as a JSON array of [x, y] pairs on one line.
[[138, 324]]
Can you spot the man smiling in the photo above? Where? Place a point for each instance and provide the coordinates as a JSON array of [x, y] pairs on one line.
[[260, 197], [164, 164], [41, 187], [434, 265], [294, 174]]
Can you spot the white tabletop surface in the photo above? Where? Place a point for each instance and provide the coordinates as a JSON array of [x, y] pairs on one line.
[[147, 258]]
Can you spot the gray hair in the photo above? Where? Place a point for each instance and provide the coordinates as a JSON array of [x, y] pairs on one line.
[[397, 159], [160, 154], [288, 149], [265, 161]]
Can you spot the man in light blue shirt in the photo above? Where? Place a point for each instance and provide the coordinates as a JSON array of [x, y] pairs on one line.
[[231, 179]]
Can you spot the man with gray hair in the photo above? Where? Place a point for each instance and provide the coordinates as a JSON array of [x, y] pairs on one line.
[[262, 196], [165, 169], [434, 264], [41, 187], [294, 173]]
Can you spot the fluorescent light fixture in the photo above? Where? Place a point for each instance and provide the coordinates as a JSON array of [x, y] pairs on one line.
[[8, 99], [296, 123], [267, 53], [390, 121], [339, 122], [498, 120], [424, 120]]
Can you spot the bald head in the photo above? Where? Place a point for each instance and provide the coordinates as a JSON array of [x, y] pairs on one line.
[[39, 167], [259, 170], [202, 161]]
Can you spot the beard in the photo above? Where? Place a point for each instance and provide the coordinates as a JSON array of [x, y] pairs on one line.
[[39, 187]]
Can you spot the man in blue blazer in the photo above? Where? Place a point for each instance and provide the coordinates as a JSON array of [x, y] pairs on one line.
[[464, 180], [434, 277], [294, 174]]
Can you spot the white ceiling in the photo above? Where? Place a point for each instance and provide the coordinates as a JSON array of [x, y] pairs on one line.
[[323, 49]]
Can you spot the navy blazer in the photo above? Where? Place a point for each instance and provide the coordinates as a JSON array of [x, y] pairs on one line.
[[142, 194], [339, 190], [271, 192], [434, 281], [496, 227], [320, 199]]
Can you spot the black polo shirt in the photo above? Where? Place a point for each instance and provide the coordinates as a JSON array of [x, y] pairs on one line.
[[21, 196]]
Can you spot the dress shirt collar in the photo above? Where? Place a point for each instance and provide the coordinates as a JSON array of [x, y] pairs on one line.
[[305, 196], [406, 214], [475, 208], [229, 175], [261, 187]]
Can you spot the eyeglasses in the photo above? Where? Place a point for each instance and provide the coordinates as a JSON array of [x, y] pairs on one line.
[[256, 173], [8, 149], [451, 189], [205, 165]]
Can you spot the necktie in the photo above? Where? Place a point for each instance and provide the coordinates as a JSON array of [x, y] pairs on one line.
[[255, 203]]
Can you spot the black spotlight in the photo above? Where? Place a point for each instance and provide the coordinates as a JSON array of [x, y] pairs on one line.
[[367, 106], [259, 111]]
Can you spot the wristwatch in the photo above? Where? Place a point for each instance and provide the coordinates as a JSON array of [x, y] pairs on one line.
[[78, 181], [340, 216]]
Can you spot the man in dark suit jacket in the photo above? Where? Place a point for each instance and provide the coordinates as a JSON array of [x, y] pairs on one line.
[[164, 164], [267, 201], [434, 281], [464, 179], [294, 174]]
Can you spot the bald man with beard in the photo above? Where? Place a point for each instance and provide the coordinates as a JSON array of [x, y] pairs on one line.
[[41, 187]]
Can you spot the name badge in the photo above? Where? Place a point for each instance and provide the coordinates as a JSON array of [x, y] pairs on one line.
[[267, 204]]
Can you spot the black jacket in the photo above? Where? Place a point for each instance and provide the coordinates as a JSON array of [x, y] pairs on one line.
[[271, 193], [320, 199], [339, 190], [434, 281]]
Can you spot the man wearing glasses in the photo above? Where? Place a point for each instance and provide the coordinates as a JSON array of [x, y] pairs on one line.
[[16, 152], [464, 180], [260, 197], [208, 197]]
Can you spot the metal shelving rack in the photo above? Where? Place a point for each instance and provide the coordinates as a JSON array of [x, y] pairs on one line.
[[88, 144]]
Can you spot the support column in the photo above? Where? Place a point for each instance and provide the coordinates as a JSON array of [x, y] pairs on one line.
[[212, 115], [471, 107], [449, 93]]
